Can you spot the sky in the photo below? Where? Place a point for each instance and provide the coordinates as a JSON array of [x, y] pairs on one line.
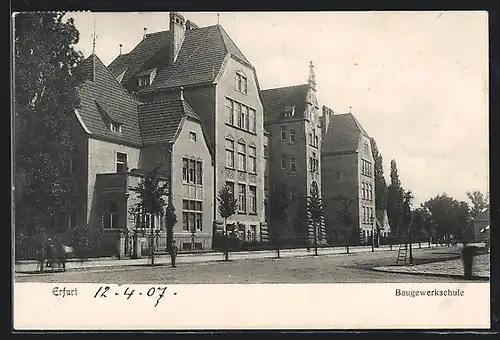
[[416, 81]]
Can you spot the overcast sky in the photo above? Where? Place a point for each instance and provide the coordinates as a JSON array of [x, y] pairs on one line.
[[416, 81]]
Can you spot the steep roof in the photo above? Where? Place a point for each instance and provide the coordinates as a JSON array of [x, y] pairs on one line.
[[344, 133], [199, 60], [140, 54], [105, 97], [276, 100], [160, 121]]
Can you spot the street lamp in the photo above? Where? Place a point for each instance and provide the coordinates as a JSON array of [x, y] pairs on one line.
[[373, 233]]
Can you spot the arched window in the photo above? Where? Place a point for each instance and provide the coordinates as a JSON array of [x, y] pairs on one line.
[[110, 215]]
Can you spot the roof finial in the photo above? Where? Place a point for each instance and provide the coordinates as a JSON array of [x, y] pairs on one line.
[[218, 18], [121, 49], [181, 90], [312, 77], [145, 32], [350, 109], [94, 37]]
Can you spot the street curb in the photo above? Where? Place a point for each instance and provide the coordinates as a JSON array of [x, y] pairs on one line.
[[453, 276]]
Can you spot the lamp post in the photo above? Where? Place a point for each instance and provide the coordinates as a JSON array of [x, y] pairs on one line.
[[373, 233]]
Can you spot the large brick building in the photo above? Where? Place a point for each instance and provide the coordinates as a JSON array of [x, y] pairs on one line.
[[187, 99], [348, 176], [292, 117]]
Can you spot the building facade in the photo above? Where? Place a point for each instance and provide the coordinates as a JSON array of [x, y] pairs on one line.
[[292, 118], [348, 177]]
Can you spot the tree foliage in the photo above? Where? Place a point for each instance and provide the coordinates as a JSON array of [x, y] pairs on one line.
[[45, 84], [478, 201], [346, 217], [279, 202], [380, 183], [227, 202], [395, 195]]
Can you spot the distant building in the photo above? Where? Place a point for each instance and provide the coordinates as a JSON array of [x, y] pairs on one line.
[[291, 115], [383, 226], [482, 225], [347, 174]]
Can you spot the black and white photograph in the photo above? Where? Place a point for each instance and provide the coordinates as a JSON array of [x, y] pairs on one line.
[[206, 165]]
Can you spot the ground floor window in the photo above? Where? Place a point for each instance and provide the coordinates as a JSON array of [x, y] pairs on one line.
[[192, 215], [110, 215]]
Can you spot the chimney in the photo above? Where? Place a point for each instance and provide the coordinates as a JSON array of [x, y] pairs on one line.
[[325, 119], [177, 29]]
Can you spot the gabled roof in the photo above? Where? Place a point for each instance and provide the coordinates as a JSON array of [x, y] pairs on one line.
[[276, 100], [160, 121], [106, 94], [344, 133], [199, 60], [133, 61]]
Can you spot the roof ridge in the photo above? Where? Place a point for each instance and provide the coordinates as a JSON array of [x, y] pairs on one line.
[[113, 76], [285, 87], [159, 101], [358, 125]]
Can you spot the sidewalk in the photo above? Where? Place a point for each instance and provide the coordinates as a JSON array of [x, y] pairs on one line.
[[451, 268], [31, 266]]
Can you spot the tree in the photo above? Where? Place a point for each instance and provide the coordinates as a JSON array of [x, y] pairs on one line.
[[315, 212], [227, 208], [150, 193], [421, 223], [380, 183], [449, 217], [346, 218], [395, 195], [279, 201], [45, 85], [478, 200]]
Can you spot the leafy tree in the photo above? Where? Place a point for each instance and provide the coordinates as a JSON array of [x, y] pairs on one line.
[[45, 87], [395, 195], [346, 218], [279, 202], [421, 222], [380, 183], [227, 208], [478, 200], [315, 213], [151, 199]]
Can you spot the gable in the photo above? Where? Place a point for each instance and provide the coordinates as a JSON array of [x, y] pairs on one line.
[[278, 103]]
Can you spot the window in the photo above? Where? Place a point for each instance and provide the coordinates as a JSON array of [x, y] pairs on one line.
[[252, 156], [230, 186], [72, 214], [230, 153], [199, 172], [283, 162], [242, 198], [115, 127], [292, 136], [265, 151], [242, 166], [241, 83], [363, 190], [293, 196], [316, 140], [366, 149], [185, 166], [253, 199], [283, 133], [311, 141], [238, 115], [366, 168], [244, 117], [364, 215], [313, 138], [251, 120], [192, 136], [289, 111], [229, 111], [144, 81], [121, 162], [110, 215], [192, 215], [192, 173], [293, 166]]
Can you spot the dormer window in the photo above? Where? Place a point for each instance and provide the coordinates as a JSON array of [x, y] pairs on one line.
[[241, 82], [289, 111], [115, 127], [146, 78]]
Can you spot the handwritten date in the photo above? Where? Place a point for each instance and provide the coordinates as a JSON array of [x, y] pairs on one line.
[[153, 292]]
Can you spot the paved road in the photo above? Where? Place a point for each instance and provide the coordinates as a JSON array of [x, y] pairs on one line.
[[334, 268]]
